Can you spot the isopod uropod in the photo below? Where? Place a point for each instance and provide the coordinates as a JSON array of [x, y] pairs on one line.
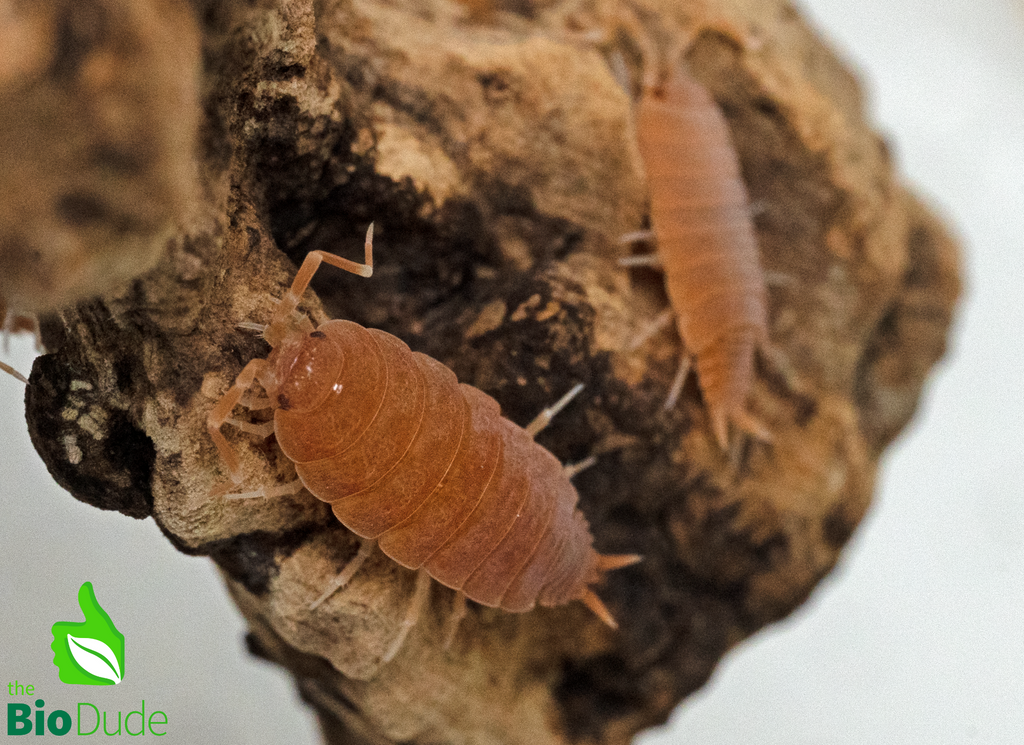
[[416, 462]]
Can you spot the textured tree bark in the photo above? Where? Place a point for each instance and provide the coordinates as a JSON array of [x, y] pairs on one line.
[[494, 149]]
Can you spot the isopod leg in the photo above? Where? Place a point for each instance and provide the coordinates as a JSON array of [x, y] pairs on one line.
[[310, 264], [627, 18], [11, 371], [455, 620], [647, 260], [611, 562], [256, 404], [366, 547], [412, 614], [544, 418], [263, 431], [12, 323], [292, 487], [221, 414], [677, 385], [639, 236], [661, 321], [572, 469]]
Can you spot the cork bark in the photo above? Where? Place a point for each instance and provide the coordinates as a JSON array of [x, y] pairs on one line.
[[493, 146]]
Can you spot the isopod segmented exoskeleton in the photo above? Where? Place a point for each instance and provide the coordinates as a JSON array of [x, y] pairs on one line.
[[706, 243], [417, 463]]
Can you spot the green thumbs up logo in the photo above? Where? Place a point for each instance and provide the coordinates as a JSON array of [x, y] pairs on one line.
[[89, 653]]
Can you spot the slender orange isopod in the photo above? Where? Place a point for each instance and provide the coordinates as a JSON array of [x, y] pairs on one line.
[[701, 218], [416, 462]]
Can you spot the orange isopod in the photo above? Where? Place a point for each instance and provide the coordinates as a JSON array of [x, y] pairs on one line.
[[416, 462], [701, 217]]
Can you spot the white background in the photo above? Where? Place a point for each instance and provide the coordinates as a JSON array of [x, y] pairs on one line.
[[916, 637]]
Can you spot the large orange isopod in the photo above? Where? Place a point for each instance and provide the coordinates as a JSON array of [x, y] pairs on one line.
[[417, 463]]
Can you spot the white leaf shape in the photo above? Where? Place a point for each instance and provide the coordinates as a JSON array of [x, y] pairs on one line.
[[95, 657]]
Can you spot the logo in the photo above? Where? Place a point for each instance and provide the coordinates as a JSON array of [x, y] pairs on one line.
[[91, 652]]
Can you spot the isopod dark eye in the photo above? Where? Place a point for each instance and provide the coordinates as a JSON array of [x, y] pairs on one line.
[[317, 335]]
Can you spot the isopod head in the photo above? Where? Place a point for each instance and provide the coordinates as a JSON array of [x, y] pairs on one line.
[[300, 363]]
